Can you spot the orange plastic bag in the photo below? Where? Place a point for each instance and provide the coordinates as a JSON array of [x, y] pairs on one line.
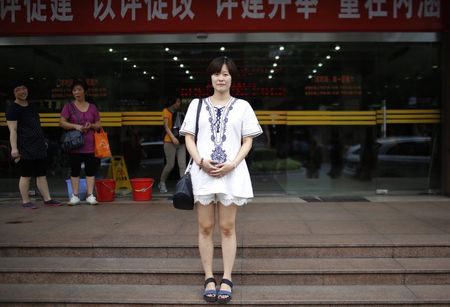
[[102, 149]]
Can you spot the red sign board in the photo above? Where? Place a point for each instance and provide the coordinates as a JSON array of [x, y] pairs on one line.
[[56, 17]]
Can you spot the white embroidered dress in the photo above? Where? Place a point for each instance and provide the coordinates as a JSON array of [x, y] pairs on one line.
[[220, 133]]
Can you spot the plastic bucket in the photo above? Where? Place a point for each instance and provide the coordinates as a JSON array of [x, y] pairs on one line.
[[82, 189], [142, 188], [106, 189]]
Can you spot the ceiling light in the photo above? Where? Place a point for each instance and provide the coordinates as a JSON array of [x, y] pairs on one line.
[[274, 64], [134, 66], [328, 57], [190, 77], [310, 77], [281, 48], [11, 68], [187, 72], [181, 65], [314, 71], [144, 72], [272, 71], [320, 64], [337, 47], [152, 77], [277, 57], [167, 49], [125, 59], [270, 77], [175, 58], [110, 50], [222, 48], [435, 66]]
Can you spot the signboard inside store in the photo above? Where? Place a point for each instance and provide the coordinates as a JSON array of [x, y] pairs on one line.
[[334, 85], [47, 17]]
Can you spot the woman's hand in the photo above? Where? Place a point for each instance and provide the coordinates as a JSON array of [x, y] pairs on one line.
[[15, 153], [79, 127], [175, 141], [221, 169]]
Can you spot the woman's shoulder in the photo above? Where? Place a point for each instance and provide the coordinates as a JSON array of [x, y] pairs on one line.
[[92, 107], [242, 102]]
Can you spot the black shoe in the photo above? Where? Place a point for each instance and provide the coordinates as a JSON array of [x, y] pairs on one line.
[[210, 295], [224, 296]]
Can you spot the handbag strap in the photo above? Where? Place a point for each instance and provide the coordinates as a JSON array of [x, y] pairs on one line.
[[199, 107], [73, 112]]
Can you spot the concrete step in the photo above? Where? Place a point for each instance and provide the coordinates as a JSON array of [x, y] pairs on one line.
[[268, 250], [101, 295], [254, 271]]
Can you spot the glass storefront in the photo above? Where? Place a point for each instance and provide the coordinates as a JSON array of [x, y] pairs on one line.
[[340, 118]]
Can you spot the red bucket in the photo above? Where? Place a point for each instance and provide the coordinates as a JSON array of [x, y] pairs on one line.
[[106, 189], [142, 188]]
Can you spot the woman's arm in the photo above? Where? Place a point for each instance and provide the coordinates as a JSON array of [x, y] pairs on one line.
[[169, 131], [64, 123], [97, 125], [12, 125], [204, 164]]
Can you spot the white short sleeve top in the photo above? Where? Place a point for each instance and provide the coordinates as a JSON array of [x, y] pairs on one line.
[[220, 133]]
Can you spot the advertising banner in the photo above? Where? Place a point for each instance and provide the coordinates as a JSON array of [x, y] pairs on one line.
[[85, 17]]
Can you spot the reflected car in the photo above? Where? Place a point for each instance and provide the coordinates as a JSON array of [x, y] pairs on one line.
[[402, 156]]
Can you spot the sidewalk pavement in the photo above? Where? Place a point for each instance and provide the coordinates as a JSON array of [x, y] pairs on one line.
[[283, 220]]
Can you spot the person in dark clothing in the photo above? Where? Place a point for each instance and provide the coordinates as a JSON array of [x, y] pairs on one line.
[[28, 147], [336, 155], [315, 160]]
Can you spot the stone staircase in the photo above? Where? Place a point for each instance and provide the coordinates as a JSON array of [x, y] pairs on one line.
[[265, 275]]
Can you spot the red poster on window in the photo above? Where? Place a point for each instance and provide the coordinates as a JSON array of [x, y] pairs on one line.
[[56, 17]]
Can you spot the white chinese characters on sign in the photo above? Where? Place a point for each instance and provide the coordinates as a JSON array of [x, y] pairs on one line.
[[306, 7], [101, 10], [187, 11], [35, 10], [11, 11], [61, 10], [253, 9], [349, 9], [130, 5], [376, 8], [381, 8], [227, 4], [9, 7], [276, 4], [430, 8]]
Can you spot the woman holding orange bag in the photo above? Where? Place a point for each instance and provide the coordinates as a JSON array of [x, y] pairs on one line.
[[83, 116]]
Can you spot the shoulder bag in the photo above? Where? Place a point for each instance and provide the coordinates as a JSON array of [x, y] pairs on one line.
[[183, 198], [72, 139]]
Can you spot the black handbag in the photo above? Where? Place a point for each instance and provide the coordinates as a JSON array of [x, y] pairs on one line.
[[72, 139], [183, 198]]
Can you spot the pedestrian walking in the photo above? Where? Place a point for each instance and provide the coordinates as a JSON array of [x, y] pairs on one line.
[[83, 116], [174, 146], [220, 177], [28, 147]]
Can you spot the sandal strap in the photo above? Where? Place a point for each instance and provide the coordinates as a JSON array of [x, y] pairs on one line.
[[208, 280], [227, 282]]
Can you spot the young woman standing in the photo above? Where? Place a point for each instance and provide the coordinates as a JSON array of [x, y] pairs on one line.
[[220, 178]]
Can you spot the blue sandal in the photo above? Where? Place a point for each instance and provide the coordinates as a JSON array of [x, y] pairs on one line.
[[226, 295], [210, 295]]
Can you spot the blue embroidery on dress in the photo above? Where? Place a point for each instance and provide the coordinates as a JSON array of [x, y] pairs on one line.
[[218, 118]]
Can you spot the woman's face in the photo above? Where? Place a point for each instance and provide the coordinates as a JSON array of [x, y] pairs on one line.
[[78, 92], [221, 81]]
